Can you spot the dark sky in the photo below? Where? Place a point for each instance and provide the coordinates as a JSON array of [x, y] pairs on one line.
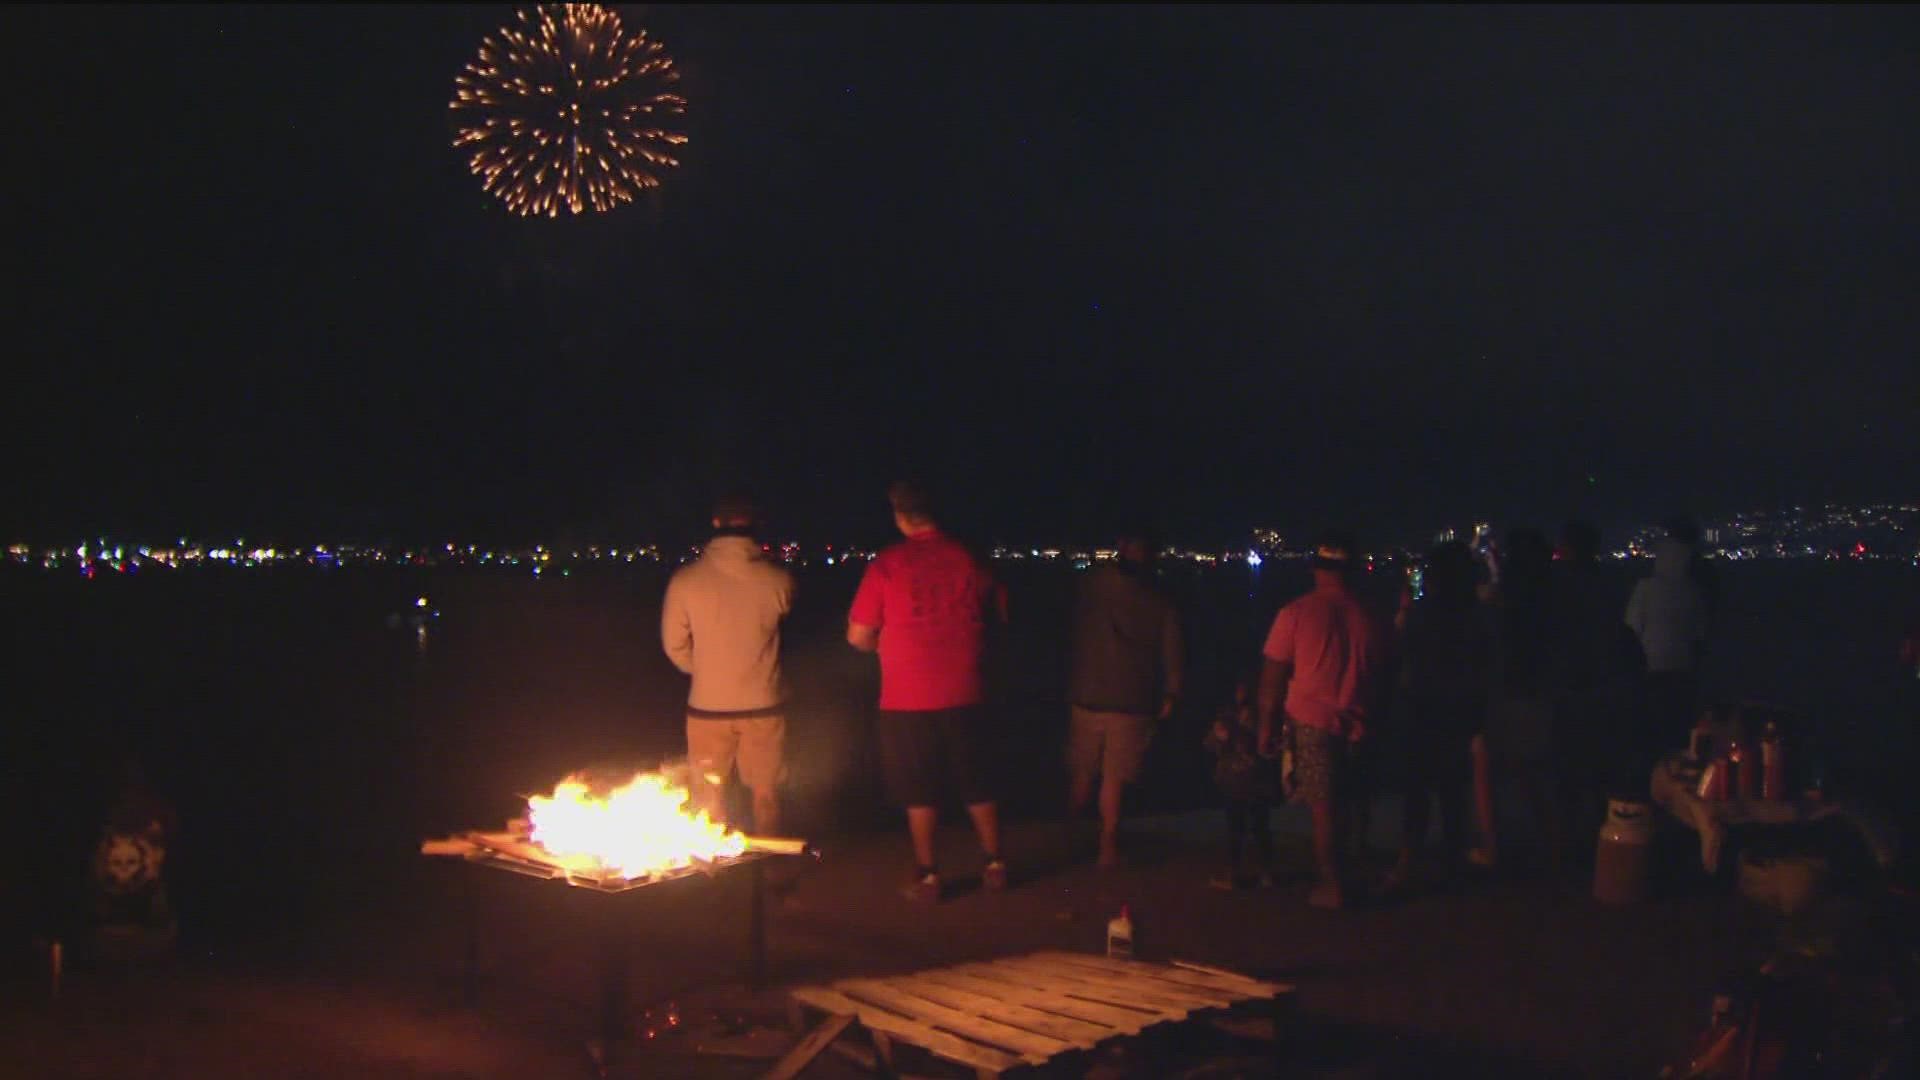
[[1225, 266]]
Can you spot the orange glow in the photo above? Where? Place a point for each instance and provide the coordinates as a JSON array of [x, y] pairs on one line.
[[638, 829]]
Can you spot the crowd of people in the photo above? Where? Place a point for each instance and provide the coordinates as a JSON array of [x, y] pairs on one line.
[[1500, 676]]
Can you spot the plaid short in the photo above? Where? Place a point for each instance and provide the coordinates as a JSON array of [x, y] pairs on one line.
[[1322, 762]]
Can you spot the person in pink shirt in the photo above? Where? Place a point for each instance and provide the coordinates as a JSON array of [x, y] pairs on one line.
[[924, 605], [1325, 664]]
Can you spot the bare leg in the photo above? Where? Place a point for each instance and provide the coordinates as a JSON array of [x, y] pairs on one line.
[[1080, 795], [1483, 801], [986, 822], [1326, 855], [921, 822], [1261, 827], [1112, 789], [1079, 798]]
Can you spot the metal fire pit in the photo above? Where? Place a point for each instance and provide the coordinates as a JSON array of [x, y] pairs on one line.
[[511, 851]]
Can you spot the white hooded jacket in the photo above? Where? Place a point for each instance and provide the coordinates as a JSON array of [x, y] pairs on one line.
[[720, 623], [1667, 610]]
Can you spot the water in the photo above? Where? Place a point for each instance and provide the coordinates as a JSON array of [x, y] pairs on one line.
[[309, 745]]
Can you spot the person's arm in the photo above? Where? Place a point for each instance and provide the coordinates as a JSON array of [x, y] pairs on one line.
[[864, 620], [1637, 609], [1274, 676], [1173, 660], [676, 628]]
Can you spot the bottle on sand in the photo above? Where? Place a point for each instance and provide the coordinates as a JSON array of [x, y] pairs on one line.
[[1120, 936]]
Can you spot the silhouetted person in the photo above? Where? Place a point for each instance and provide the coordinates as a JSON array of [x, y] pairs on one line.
[[1249, 784], [1446, 675], [1596, 661], [1667, 612], [1325, 658], [1687, 531], [1127, 662], [1520, 724], [720, 623], [924, 605]]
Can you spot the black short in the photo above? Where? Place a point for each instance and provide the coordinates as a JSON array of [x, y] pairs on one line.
[[928, 754]]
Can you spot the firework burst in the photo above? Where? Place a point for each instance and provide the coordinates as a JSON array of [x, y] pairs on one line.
[[568, 109]]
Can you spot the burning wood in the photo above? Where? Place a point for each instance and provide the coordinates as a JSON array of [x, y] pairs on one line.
[[638, 832]]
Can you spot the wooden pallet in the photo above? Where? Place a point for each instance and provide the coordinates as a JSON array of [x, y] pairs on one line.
[[1026, 1011]]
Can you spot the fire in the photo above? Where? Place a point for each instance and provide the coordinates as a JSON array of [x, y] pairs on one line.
[[637, 829]]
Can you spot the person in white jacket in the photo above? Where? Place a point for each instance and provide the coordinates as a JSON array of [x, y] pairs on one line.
[[720, 623], [1668, 613]]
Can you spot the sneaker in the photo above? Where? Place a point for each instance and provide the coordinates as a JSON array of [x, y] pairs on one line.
[[994, 875], [924, 889]]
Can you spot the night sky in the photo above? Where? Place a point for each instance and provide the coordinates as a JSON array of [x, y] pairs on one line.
[[1225, 267]]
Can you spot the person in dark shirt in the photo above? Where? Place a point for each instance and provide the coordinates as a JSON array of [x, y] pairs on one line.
[[1127, 662], [1520, 724], [1446, 673], [1595, 661]]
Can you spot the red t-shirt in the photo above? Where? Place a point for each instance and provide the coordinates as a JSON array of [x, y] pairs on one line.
[[930, 599], [1338, 651]]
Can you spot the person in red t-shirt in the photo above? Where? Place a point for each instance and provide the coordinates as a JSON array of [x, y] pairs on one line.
[[924, 605], [1326, 658]]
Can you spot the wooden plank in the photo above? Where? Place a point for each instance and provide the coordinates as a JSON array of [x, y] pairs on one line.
[[809, 1048], [1035, 1048], [877, 1019], [1063, 964], [1238, 986], [1118, 988], [1080, 1033], [1155, 1009], [1188, 975], [1124, 1021]]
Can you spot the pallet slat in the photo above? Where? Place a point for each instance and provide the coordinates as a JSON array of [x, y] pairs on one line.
[[941, 1044], [1121, 985], [1167, 976], [1035, 1048], [810, 1047], [1082, 1034], [1190, 978], [1156, 1009], [1126, 1021], [1029, 1010]]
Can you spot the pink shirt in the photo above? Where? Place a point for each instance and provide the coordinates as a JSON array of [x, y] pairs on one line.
[[930, 599], [1338, 652]]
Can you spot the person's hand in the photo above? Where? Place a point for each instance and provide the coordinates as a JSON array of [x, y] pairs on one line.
[[1166, 705]]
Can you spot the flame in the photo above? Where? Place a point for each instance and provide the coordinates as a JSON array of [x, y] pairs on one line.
[[638, 829]]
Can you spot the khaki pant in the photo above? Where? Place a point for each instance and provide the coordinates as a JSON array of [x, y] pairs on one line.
[[714, 747], [1109, 743]]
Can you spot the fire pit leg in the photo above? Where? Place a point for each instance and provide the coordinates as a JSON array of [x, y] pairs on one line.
[[613, 996], [470, 967], [757, 926]]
